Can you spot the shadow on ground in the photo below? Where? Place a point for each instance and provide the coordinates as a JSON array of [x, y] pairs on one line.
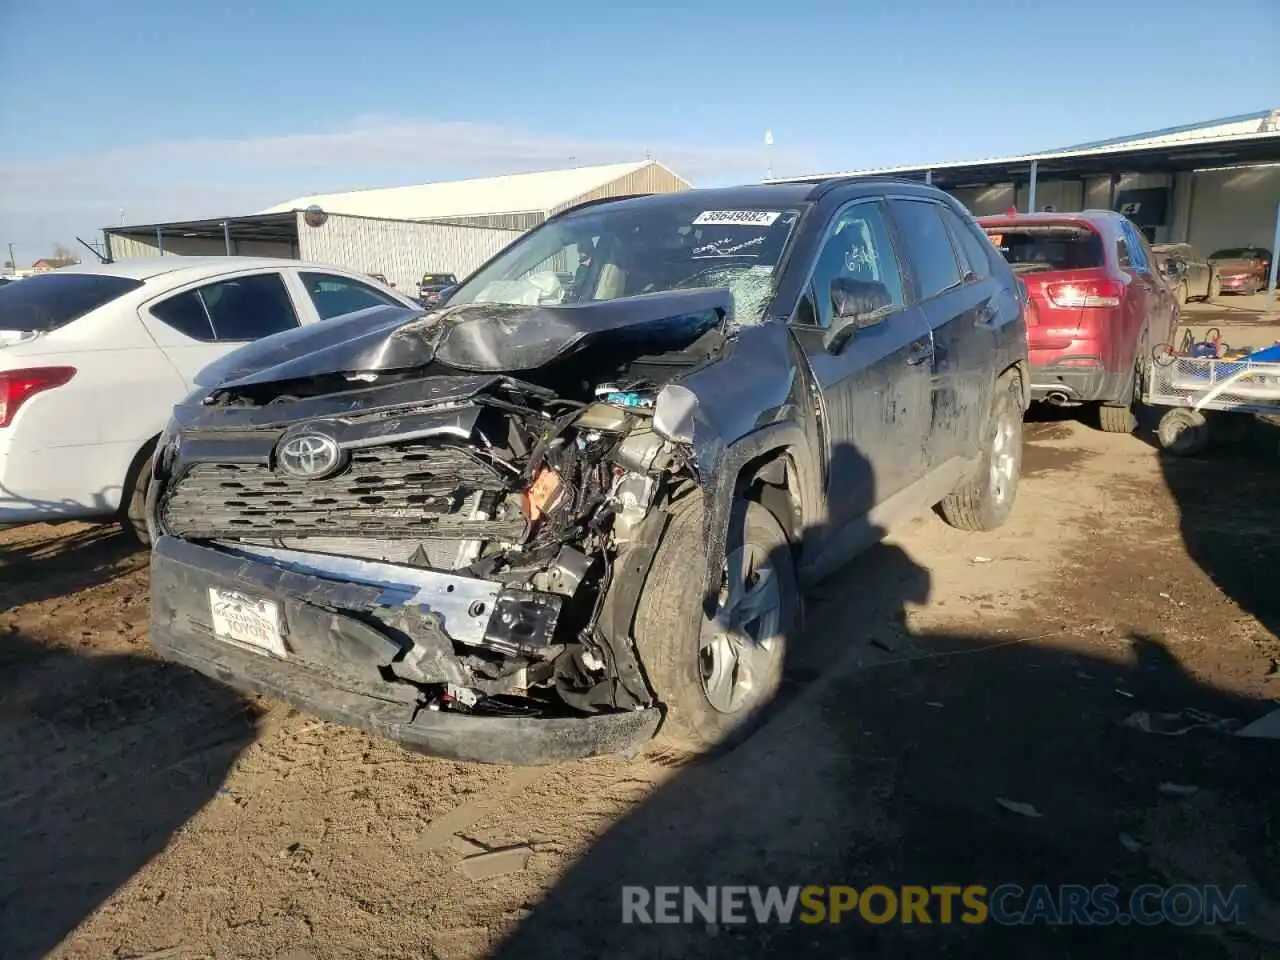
[[892, 772], [1229, 501], [102, 759], [35, 569]]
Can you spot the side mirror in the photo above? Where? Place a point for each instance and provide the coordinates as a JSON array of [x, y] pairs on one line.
[[855, 305]]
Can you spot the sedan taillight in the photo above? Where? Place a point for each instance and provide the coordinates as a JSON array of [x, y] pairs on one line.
[[17, 386], [1085, 293]]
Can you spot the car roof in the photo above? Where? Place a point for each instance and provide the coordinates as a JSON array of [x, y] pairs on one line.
[[151, 267], [756, 195], [746, 197]]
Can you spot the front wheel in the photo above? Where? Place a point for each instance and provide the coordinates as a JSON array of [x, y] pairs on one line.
[[985, 500], [714, 676]]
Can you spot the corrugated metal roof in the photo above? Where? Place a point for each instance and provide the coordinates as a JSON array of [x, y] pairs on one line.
[[516, 193], [1231, 129], [1226, 126]]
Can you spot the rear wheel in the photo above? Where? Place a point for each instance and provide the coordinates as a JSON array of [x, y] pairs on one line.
[[985, 500], [1123, 418], [714, 676], [133, 503], [1116, 419]]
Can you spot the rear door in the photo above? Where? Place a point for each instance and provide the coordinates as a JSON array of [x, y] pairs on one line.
[[956, 296], [203, 321]]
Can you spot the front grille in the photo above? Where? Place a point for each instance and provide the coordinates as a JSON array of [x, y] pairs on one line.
[[407, 490], [440, 554]]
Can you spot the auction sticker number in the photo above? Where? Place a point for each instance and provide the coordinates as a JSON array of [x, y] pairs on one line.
[[746, 218], [247, 621]]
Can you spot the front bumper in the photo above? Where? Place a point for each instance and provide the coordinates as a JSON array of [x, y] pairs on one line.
[[321, 617]]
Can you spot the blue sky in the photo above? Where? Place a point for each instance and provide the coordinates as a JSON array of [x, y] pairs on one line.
[[173, 109]]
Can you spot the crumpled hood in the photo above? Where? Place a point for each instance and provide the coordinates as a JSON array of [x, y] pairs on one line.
[[356, 338], [474, 338]]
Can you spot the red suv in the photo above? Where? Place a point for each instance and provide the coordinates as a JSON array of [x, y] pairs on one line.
[[1097, 306]]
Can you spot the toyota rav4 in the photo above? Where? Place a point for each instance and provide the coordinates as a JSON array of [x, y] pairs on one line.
[[580, 503]]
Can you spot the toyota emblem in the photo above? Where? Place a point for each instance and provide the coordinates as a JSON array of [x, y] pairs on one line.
[[310, 456]]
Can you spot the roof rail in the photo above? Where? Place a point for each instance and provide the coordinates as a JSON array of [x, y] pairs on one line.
[[595, 203], [823, 187]]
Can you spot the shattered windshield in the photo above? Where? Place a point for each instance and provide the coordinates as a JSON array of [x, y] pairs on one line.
[[628, 249]]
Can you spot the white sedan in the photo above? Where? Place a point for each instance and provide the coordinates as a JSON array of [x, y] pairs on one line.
[[93, 359]]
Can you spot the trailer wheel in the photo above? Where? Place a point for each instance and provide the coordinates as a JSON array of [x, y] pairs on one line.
[[1183, 431]]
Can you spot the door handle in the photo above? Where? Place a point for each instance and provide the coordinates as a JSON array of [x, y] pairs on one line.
[[919, 352]]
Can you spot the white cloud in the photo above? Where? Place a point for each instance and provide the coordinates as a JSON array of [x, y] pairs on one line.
[[52, 201]]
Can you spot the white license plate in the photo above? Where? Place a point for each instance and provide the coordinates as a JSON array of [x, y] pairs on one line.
[[247, 621]]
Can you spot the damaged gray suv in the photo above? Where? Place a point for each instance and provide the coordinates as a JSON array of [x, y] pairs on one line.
[[576, 506]]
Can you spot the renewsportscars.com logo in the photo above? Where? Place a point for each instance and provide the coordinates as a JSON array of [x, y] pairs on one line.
[[1007, 905]]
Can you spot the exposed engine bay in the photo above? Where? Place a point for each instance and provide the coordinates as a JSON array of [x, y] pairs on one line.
[[494, 468]]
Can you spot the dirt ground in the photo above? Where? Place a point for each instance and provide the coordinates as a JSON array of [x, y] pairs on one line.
[[148, 812]]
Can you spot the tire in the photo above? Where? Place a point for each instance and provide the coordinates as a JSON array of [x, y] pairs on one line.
[[985, 500], [1116, 419], [133, 505], [1183, 431], [1123, 418], [683, 656]]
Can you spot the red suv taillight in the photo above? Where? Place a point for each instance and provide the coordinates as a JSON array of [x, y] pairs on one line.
[[1085, 293], [16, 386]]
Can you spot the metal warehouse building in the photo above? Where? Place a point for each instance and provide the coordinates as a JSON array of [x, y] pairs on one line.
[[399, 232], [1213, 184]]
